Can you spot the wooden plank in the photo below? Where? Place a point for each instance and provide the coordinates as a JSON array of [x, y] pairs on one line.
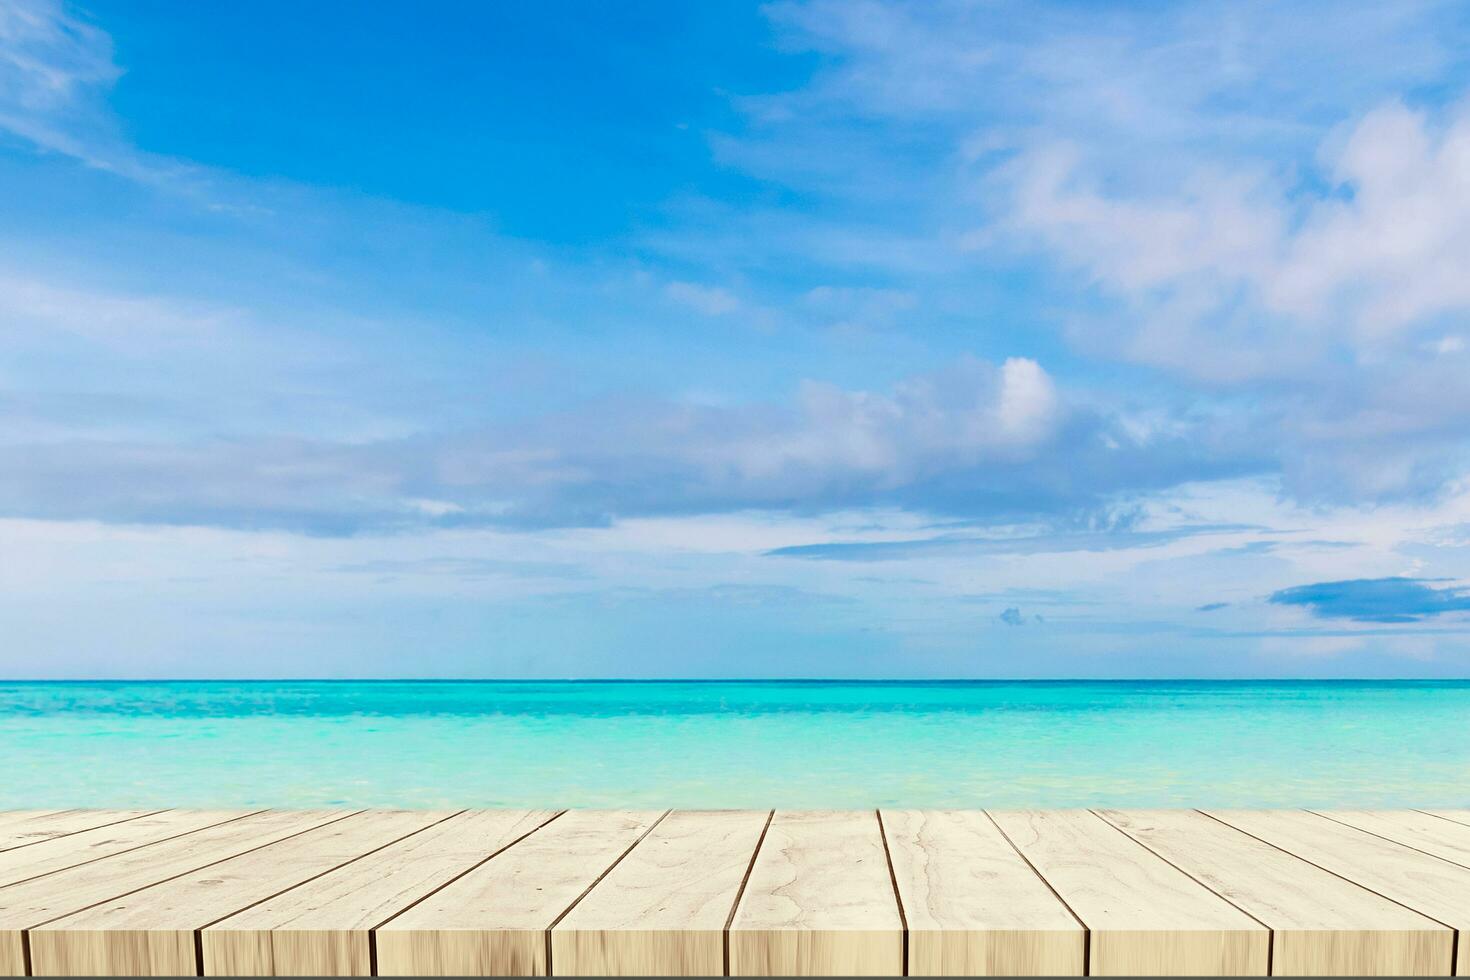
[[662, 910], [9, 818], [1426, 884], [28, 828], [494, 920], [972, 904], [151, 932], [1322, 925], [1145, 918], [1424, 831], [31, 903], [819, 901], [321, 928], [60, 853], [1455, 816]]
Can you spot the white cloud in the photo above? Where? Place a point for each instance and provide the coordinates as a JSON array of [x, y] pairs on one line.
[[1392, 249], [1382, 251], [48, 59], [56, 73], [29, 305], [709, 300]]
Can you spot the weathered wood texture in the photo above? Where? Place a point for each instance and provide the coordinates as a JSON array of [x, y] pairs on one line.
[[1422, 831], [662, 911], [151, 932], [30, 904], [342, 893], [1432, 886], [494, 920], [1322, 925], [1146, 918], [59, 853], [974, 907], [23, 828], [819, 901], [321, 928]]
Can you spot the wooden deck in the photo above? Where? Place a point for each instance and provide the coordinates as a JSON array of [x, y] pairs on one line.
[[577, 893]]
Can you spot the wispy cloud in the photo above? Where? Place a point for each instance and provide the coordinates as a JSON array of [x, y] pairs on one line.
[[965, 544], [709, 300], [465, 568], [56, 70]]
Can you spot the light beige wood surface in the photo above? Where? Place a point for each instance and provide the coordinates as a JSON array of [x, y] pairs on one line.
[[1424, 831], [1457, 816], [1146, 918], [31, 903], [819, 901], [1426, 884], [33, 818], [59, 853], [26, 828], [662, 911], [587, 892], [1322, 925], [321, 928], [152, 931], [974, 907], [493, 921]]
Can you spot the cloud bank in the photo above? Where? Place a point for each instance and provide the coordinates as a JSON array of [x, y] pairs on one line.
[[1381, 600]]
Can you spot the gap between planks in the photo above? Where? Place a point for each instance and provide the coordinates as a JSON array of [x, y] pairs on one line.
[[883, 836]]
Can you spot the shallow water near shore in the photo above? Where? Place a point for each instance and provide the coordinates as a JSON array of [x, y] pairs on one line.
[[796, 744]]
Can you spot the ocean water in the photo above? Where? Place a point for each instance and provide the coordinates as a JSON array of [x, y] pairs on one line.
[[735, 744]]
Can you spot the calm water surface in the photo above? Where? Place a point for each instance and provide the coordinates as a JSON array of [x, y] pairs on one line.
[[735, 744]]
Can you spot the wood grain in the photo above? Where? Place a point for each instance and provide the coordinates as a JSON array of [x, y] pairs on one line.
[[1425, 831], [632, 893], [1456, 816], [819, 901], [493, 921], [1426, 884], [1146, 918], [153, 929], [973, 905], [59, 853], [662, 910], [22, 828], [321, 928], [31, 903], [1322, 925]]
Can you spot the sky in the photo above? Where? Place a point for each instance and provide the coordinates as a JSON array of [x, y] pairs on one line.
[[799, 339]]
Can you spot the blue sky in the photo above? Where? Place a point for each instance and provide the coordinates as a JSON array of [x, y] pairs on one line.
[[665, 339]]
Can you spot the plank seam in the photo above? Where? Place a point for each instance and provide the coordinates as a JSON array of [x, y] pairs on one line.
[[1441, 816], [740, 892], [336, 867], [110, 823], [1391, 840], [129, 850], [903, 921], [1334, 874], [210, 864], [434, 891], [1086, 930], [595, 882], [1270, 933]]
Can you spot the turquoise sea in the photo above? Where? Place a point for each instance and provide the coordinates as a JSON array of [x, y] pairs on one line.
[[735, 744]]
